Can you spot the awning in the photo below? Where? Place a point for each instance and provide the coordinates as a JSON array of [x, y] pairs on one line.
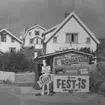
[[63, 52]]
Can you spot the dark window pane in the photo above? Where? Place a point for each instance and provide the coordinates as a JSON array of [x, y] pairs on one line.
[[12, 39], [87, 40], [31, 41], [3, 37], [12, 49], [71, 37], [37, 33], [29, 33], [55, 40]]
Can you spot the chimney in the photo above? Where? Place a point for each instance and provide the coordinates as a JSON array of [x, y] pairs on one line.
[[66, 14]]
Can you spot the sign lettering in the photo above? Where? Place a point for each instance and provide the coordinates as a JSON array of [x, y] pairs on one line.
[[70, 59], [68, 83], [44, 79]]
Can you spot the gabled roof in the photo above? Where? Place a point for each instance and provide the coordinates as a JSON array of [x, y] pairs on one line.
[[48, 31], [11, 35], [63, 52], [35, 26], [72, 14]]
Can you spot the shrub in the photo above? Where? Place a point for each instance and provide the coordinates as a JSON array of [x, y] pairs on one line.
[[101, 67], [102, 88], [96, 79], [15, 62]]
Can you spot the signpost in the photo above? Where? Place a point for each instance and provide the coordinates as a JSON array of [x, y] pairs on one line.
[[71, 83]]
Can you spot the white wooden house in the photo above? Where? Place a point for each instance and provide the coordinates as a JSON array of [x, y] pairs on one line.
[[33, 40], [33, 35], [9, 42], [70, 33]]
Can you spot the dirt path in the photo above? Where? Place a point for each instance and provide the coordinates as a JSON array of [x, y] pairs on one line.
[[11, 94]]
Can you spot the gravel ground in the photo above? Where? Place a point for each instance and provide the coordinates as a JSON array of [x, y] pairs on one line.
[[11, 95]]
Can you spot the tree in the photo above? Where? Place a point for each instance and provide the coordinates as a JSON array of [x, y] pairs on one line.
[[15, 62]]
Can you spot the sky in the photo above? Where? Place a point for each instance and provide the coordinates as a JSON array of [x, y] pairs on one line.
[[17, 14]]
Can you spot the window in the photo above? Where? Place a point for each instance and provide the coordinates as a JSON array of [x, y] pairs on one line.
[[12, 49], [31, 41], [87, 40], [3, 37], [29, 33], [37, 33], [12, 39], [38, 41], [72, 37], [55, 39]]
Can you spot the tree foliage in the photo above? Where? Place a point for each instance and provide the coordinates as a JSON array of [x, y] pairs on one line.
[[15, 62], [87, 50]]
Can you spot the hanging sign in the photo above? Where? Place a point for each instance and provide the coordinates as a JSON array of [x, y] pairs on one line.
[[44, 79], [71, 83]]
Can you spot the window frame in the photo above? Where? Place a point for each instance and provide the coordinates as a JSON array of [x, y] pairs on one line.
[[3, 37], [12, 49], [55, 40], [30, 33], [70, 38], [88, 41], [31, 41], [12, 39], [37, 32]]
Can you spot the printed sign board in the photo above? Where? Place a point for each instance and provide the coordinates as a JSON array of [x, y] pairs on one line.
[[70, 59], [71, 83], [46, 69], [71, 63], [68, 70], [84, 71], [44, 79]]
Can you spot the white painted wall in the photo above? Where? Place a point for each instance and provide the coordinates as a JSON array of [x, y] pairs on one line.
[[5, 76], [4, 46], [28, 37], [71, 27]]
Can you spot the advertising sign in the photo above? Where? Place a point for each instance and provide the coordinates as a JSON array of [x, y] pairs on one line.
[[70, 59], [44, 79], [84, 71], [71, 83]]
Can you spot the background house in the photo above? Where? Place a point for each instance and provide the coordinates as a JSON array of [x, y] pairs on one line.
[[70, 33], [33, 38], [33, 35], [9, 42]]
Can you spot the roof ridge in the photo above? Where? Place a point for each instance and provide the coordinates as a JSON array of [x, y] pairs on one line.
[[11, 35], [73, 14]]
